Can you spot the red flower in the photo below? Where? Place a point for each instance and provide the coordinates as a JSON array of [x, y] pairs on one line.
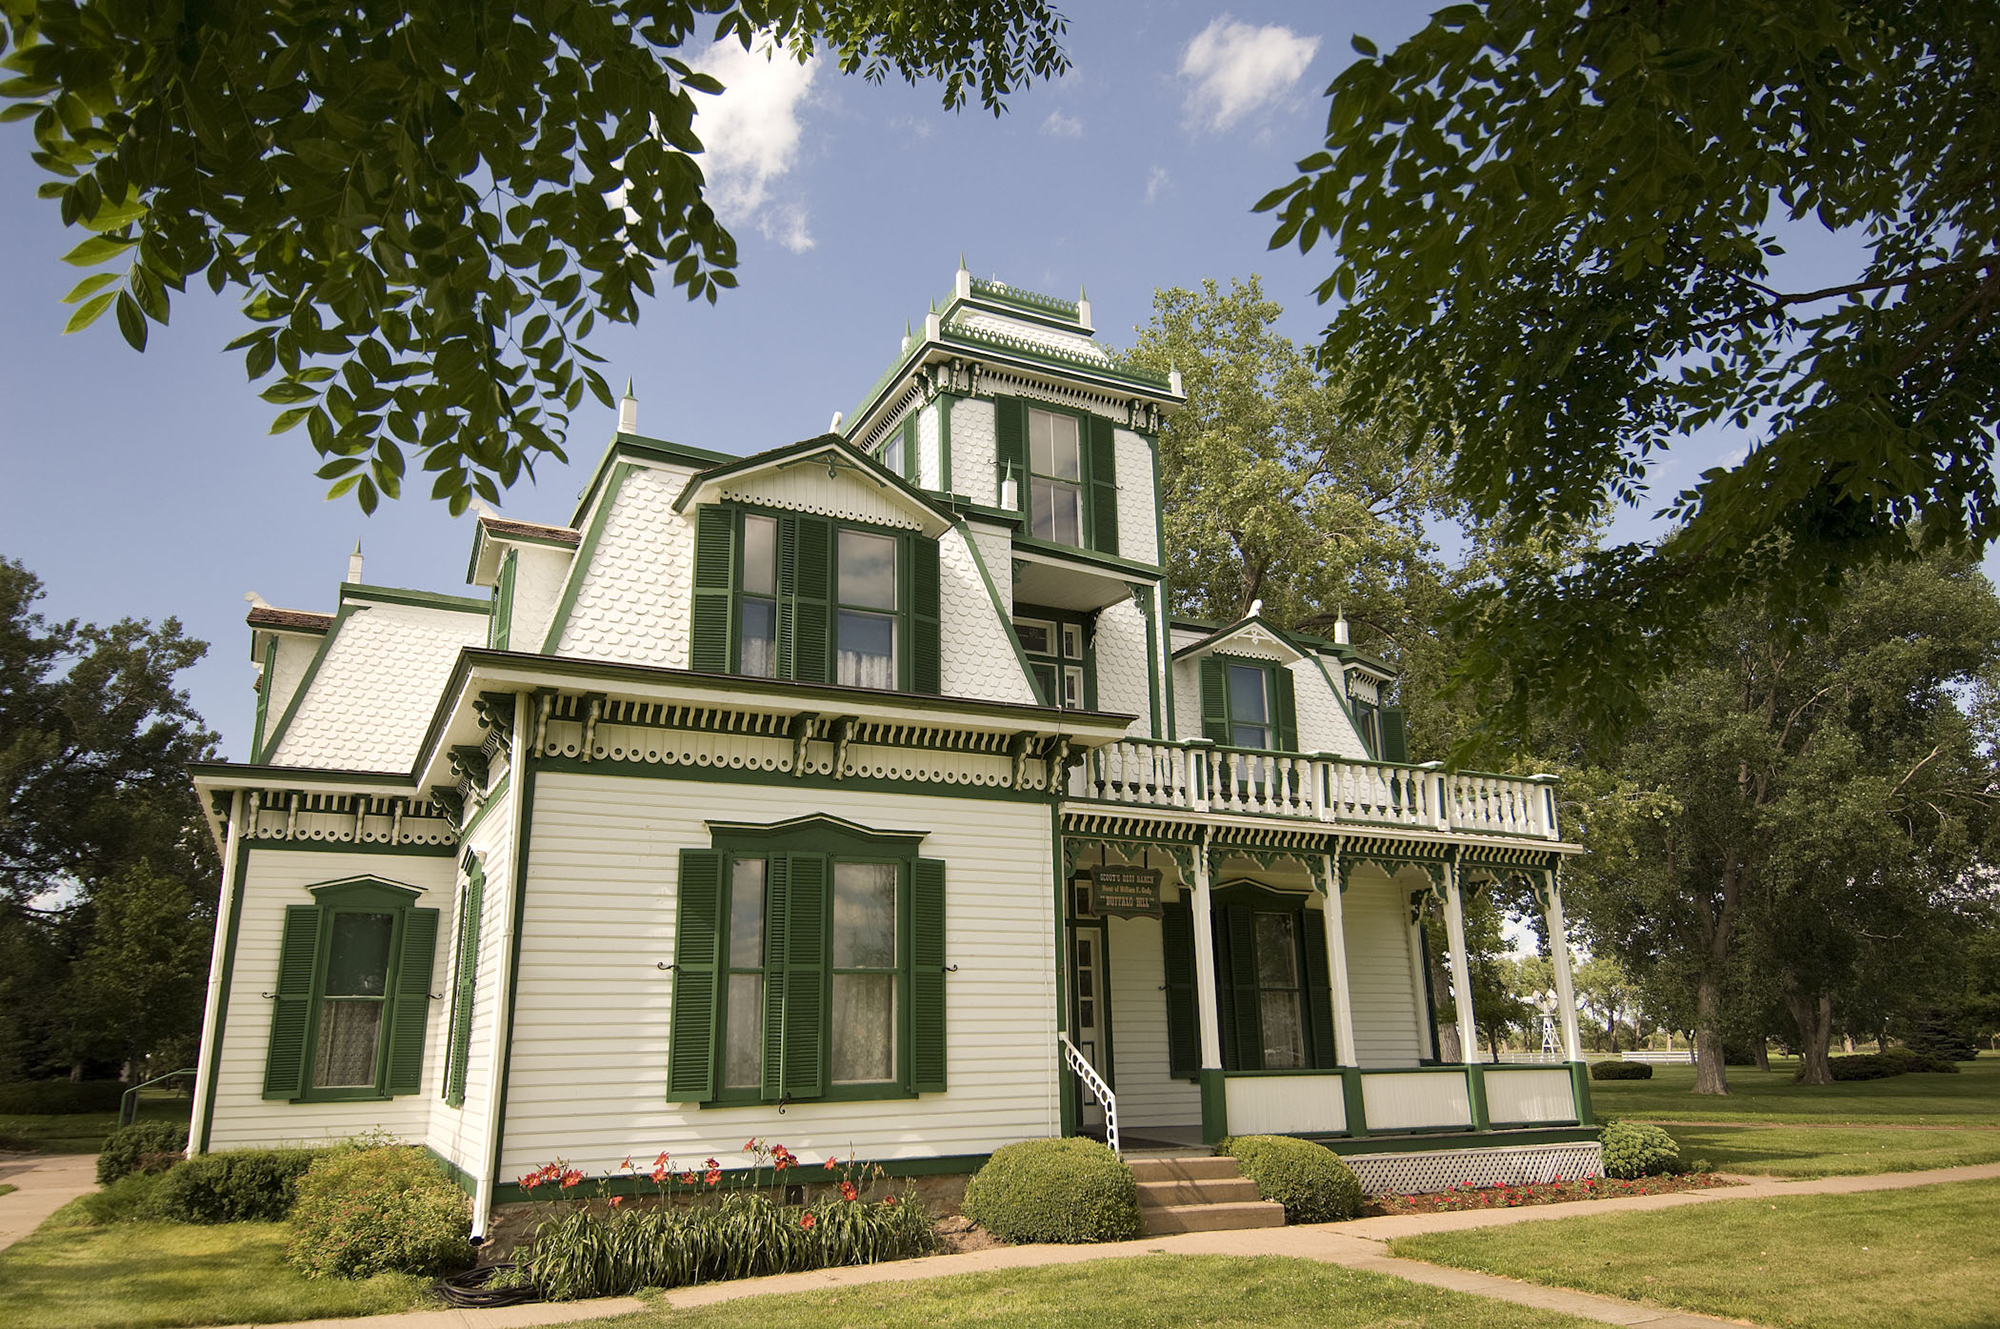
[[687, 1178], [529, 1182], [658, 1174], [627, 1163], [711, 1164], [714, 1177], [661, 1161], [892, 1199], [617, 1200], [847, 1191], [571, 1178], [806, 1221], [750, 1145], [828, 1165]]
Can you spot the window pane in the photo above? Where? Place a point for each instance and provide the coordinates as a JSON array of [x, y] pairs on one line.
[[892, 454], [358, 963], [864, 915], [1055, 511], [1045, 681], [1277, 951], [864, 1027], [867, 570], [1249, 736], [1036, 638], [1052, 445], [743, 1049], [1072, 641], [760, 555], [1073, 688], [757, 646], [1246, 695], [1284, 1038], [867, 654], [348, 1032], [746, 915]]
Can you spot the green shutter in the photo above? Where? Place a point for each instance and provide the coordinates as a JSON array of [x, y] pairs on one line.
[[921, 594], [927, 995], [714, 588], [500, 625], [1010, 447], [804, 1070], [912, 466], [697, 950], [1101, 469], [291, 1011], [1240, 926], [1214, 699], [1183, 1021], [1395, 742], [777, 884], [459, 1049], [1319, 993], [809, 587], [1285, 709], [411, 1014]]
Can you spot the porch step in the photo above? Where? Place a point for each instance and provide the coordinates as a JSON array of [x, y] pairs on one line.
[[1199, 1194]]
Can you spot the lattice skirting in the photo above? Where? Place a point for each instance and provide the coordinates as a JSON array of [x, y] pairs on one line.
[[1500, 1165]]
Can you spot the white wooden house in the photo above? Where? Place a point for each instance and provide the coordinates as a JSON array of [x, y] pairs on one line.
[[860, 794]]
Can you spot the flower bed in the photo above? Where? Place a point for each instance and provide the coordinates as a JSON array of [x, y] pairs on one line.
[[1552, 1192]]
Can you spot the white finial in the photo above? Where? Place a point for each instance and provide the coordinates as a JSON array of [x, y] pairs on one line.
[[961, 284], [628, 411], [834, 428], [354, 565], [484, 509], [1083, 309], [1256, 609], [1340, 628], [256, 601]]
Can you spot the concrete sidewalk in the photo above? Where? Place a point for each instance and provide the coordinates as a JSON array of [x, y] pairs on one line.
[[1359, 1244], [47, 1182]]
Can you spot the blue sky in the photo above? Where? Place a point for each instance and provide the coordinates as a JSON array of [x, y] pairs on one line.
[[145, 485]]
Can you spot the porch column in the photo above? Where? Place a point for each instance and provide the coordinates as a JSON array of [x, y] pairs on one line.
[[1336, 969], [1461, 968], [1214, 1100], [213, 1014], [1552, 910]]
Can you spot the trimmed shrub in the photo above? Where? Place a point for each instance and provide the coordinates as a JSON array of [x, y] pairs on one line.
[[1308, 1179], [1621, 1070], [60, 1098], [1054, 1190], [1635, 1150], [388, 1209], [144, 1146], [239, 1186], [1882, 1065]]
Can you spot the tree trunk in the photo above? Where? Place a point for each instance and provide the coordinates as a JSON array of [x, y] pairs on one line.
[[1762, 1054], [1710, 1077], [1612, 1025], [76, 1073], [1814, 1017]]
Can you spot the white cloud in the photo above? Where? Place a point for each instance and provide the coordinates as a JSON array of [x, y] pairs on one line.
[[1059, 125], [1235, 69], [1157, 181], [751, 136]]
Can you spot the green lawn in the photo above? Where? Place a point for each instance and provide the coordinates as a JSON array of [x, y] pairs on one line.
[[155, 1275], [1168, 1291], [82, 1132], [8, 1188], [1970, 1098], [1927, 1258], [1833, 1151]]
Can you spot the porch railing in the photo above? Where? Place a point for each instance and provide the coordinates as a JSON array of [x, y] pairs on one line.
[[1198, 776], [1095, 1084]]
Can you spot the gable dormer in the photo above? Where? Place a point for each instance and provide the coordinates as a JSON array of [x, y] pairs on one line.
[[1252, 685]]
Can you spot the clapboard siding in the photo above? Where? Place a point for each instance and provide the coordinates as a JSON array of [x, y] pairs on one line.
[[1147, 1096], [459, 1133], [588, 1078], [1375, 912], [274, 879]]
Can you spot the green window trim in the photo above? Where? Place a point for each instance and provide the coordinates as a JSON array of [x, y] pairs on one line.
[[1218, 718], [1047, 666], [797, 973], [1097, 457], [499, 626], [300, 1003], [1239, 988], [805, 612], [465, 975]]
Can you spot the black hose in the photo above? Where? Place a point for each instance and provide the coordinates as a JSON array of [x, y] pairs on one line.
[[469, 1289]]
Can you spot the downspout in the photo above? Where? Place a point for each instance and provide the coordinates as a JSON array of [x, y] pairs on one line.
[[503, 1008], [211, 1020]]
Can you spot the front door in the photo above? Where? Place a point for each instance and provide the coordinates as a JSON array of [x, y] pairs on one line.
[[1090, 1027]]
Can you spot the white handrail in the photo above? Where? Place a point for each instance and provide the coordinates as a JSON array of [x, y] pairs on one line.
[[1095, 1083]]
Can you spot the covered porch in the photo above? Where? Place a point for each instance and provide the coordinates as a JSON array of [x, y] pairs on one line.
[[1230, 978]]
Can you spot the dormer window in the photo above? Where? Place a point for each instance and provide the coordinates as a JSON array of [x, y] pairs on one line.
[[757, 632], [1055, 483], [865, 655]]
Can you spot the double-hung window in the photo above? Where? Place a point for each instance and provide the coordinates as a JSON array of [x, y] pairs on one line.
[[1058, 650], [1275, 999], [1247, 703], [807, 599], [809, 964], [352, 994], [1063, 464]]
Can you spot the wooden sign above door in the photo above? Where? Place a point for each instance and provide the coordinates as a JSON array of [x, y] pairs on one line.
[[1129, 892]]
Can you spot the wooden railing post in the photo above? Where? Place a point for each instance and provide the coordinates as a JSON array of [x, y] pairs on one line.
[[1199, 773]]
